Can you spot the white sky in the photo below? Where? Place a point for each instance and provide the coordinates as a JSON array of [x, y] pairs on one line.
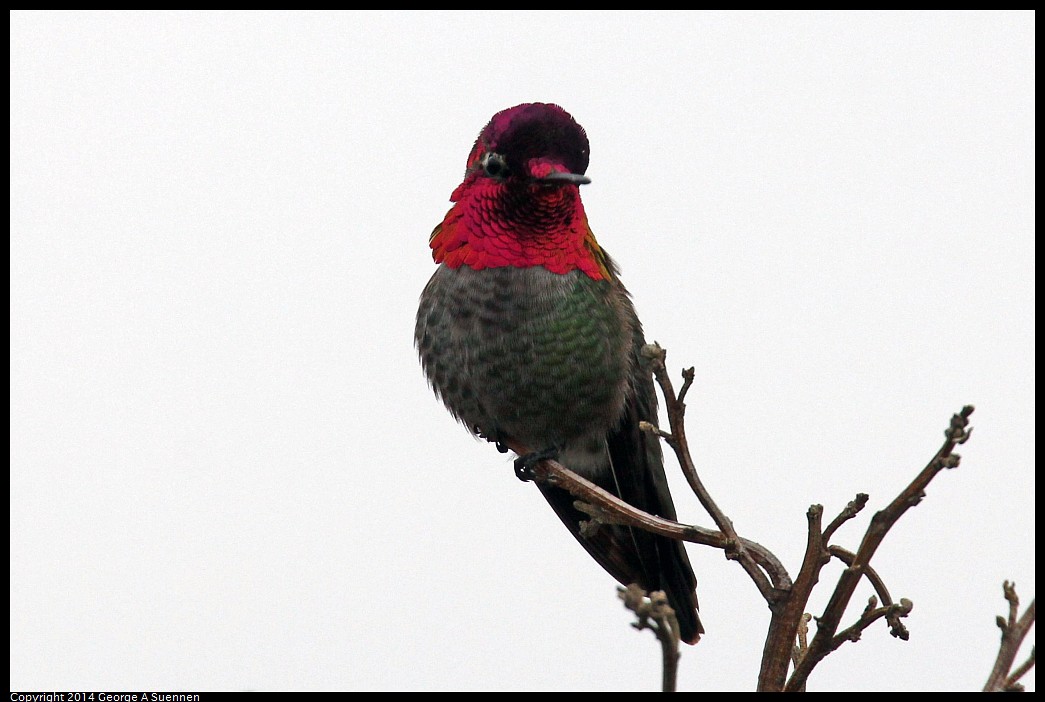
[[227, 471]]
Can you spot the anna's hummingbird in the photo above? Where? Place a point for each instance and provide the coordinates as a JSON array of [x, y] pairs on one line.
[[527, 335]]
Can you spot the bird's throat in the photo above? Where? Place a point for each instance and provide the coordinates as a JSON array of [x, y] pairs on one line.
[[536, 225]]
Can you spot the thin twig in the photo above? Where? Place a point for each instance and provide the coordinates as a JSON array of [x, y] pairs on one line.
[[896, 627], [850, 511], [1012, 683], [881, 523], [1013, 631], [778, 581], [803, 638], [601, 504], [871, 614], [646, 426], [687, 383], [786, 599], [654, 613], [799, 649]]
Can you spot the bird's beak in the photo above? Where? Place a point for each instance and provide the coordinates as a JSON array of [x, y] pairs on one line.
[[563, 177]]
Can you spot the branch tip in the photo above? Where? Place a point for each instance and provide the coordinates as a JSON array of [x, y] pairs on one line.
[[655, 353], [653, 612], [828, 636], [687, 382], [1014, 629]]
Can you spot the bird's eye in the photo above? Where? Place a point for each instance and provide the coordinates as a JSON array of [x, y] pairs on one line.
[[494, 165]]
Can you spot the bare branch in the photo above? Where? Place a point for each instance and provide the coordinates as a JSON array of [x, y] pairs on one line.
[[606, 506], [1012, 683], [646, 426], [687, 382], [850, 511], [827, 625], [736, 549], [654, 613], [803, 638], [1013, 631], [896, 627], [871, 614], [787, 600], [783, 625]]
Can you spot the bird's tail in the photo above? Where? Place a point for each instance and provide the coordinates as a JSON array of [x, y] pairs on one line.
[[629, 554]]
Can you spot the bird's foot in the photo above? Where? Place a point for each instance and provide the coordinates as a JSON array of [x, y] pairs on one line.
[[492, 438], [524, 465]]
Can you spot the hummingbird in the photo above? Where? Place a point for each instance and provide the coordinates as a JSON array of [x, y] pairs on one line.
[[528, 337]]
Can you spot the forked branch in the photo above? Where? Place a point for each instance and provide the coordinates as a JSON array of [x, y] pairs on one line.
[[654, 613], [827, 624], [1013, 630], [787, 642]]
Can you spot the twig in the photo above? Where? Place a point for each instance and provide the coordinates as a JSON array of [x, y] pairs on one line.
[[786, 599], [778, 582], [881, 523], [784, 622], [871, 614], [803, 638], [604, 505], [1012, 682], [687, 383], [1013, 631], [654, 613], [896, 627], [850, 511]]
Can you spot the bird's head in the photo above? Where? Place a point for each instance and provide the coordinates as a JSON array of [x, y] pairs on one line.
[[532, 144], [519, 204]]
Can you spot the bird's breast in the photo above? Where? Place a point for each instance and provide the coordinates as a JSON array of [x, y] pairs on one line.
[[526, 354]]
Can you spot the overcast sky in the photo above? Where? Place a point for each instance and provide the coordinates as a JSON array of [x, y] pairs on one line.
[[228, 472]]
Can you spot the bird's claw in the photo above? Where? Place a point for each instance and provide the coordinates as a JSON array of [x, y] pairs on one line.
[[524, 465]]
